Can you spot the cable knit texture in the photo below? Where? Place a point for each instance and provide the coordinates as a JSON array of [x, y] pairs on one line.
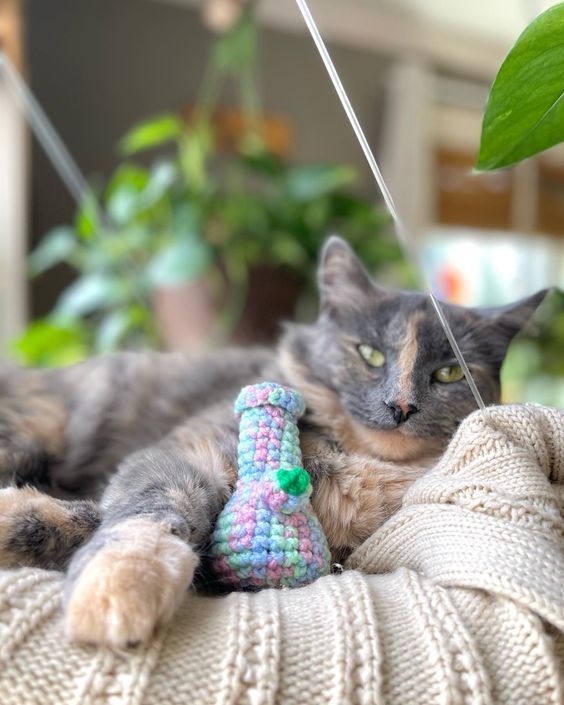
[[458, 598]]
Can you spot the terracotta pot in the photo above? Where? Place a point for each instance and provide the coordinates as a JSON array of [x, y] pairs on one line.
[[188, 315]]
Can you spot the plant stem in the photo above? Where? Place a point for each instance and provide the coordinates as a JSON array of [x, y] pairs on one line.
[[237, 291]]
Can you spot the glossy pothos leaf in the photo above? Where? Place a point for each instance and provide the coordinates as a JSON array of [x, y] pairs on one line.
[[525, 110]]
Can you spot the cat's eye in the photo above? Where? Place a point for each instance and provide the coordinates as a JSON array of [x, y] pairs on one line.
[[372, 356], [446, 375]]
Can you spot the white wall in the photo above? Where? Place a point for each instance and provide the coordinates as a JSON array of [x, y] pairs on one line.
[[13, 163], [499, 20]]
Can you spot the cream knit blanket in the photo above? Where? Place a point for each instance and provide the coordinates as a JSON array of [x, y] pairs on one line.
[[459, 598]]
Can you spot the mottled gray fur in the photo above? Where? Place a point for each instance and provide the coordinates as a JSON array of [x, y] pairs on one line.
[[154, 434]]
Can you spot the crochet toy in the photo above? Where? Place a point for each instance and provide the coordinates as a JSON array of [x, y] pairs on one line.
[[267, 534]]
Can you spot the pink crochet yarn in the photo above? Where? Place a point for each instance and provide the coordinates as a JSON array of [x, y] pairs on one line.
[[267, 534]]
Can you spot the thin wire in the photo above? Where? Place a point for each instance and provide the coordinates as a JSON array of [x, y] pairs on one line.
[[47, 135], [410, 251], [79, 188]]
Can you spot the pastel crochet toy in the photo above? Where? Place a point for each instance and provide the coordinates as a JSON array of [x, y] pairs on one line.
[[267, 534]]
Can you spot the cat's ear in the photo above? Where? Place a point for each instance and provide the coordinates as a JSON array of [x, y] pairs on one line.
[[343, 281], [508, 320]]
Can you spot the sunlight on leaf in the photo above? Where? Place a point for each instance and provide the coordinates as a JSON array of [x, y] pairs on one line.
[[111, 330], [86, 295], [123, 191], [162, 177], [48, 344], [55, 247], [525, 110], [86, 221], [151, 133]]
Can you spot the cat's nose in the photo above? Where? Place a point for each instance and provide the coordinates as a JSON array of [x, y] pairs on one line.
[[401, 410]]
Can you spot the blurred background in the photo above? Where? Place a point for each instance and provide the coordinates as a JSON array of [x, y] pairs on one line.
[[217, 159]]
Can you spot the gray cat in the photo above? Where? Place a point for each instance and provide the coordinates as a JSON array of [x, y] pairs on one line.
[[136, 453]]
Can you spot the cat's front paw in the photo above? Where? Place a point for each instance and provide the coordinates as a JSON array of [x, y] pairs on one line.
[[39, 530], [120, 592]]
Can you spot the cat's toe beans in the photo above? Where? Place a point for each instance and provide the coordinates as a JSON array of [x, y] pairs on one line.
[[126, 590]]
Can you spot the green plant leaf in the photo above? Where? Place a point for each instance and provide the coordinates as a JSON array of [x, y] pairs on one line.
[[133, 190], [85, 295], [48, 344], [111, 330], [86, 222], [305, 183], [122, 193], [289, 250], [123, 205], [185, 219], [525, 109], [54, 248], [162, 177], [263, 162], [184, 260], [151, 133], [195, 149], [120, 250], [130, 175]]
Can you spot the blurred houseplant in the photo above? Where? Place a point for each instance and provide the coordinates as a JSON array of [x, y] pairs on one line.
[[524, 115], [203, 221]]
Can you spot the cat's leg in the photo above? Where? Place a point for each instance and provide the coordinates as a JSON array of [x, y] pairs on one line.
[[32, 427], [352, 494], [158, 509], [38, 530], [34, 528]]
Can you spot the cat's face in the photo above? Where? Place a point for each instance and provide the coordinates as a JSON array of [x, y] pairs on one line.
[[386, 357]]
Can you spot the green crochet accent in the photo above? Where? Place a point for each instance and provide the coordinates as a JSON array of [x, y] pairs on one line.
[[294, 482]]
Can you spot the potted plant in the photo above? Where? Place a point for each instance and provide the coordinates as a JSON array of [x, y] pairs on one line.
[[216, 238]]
